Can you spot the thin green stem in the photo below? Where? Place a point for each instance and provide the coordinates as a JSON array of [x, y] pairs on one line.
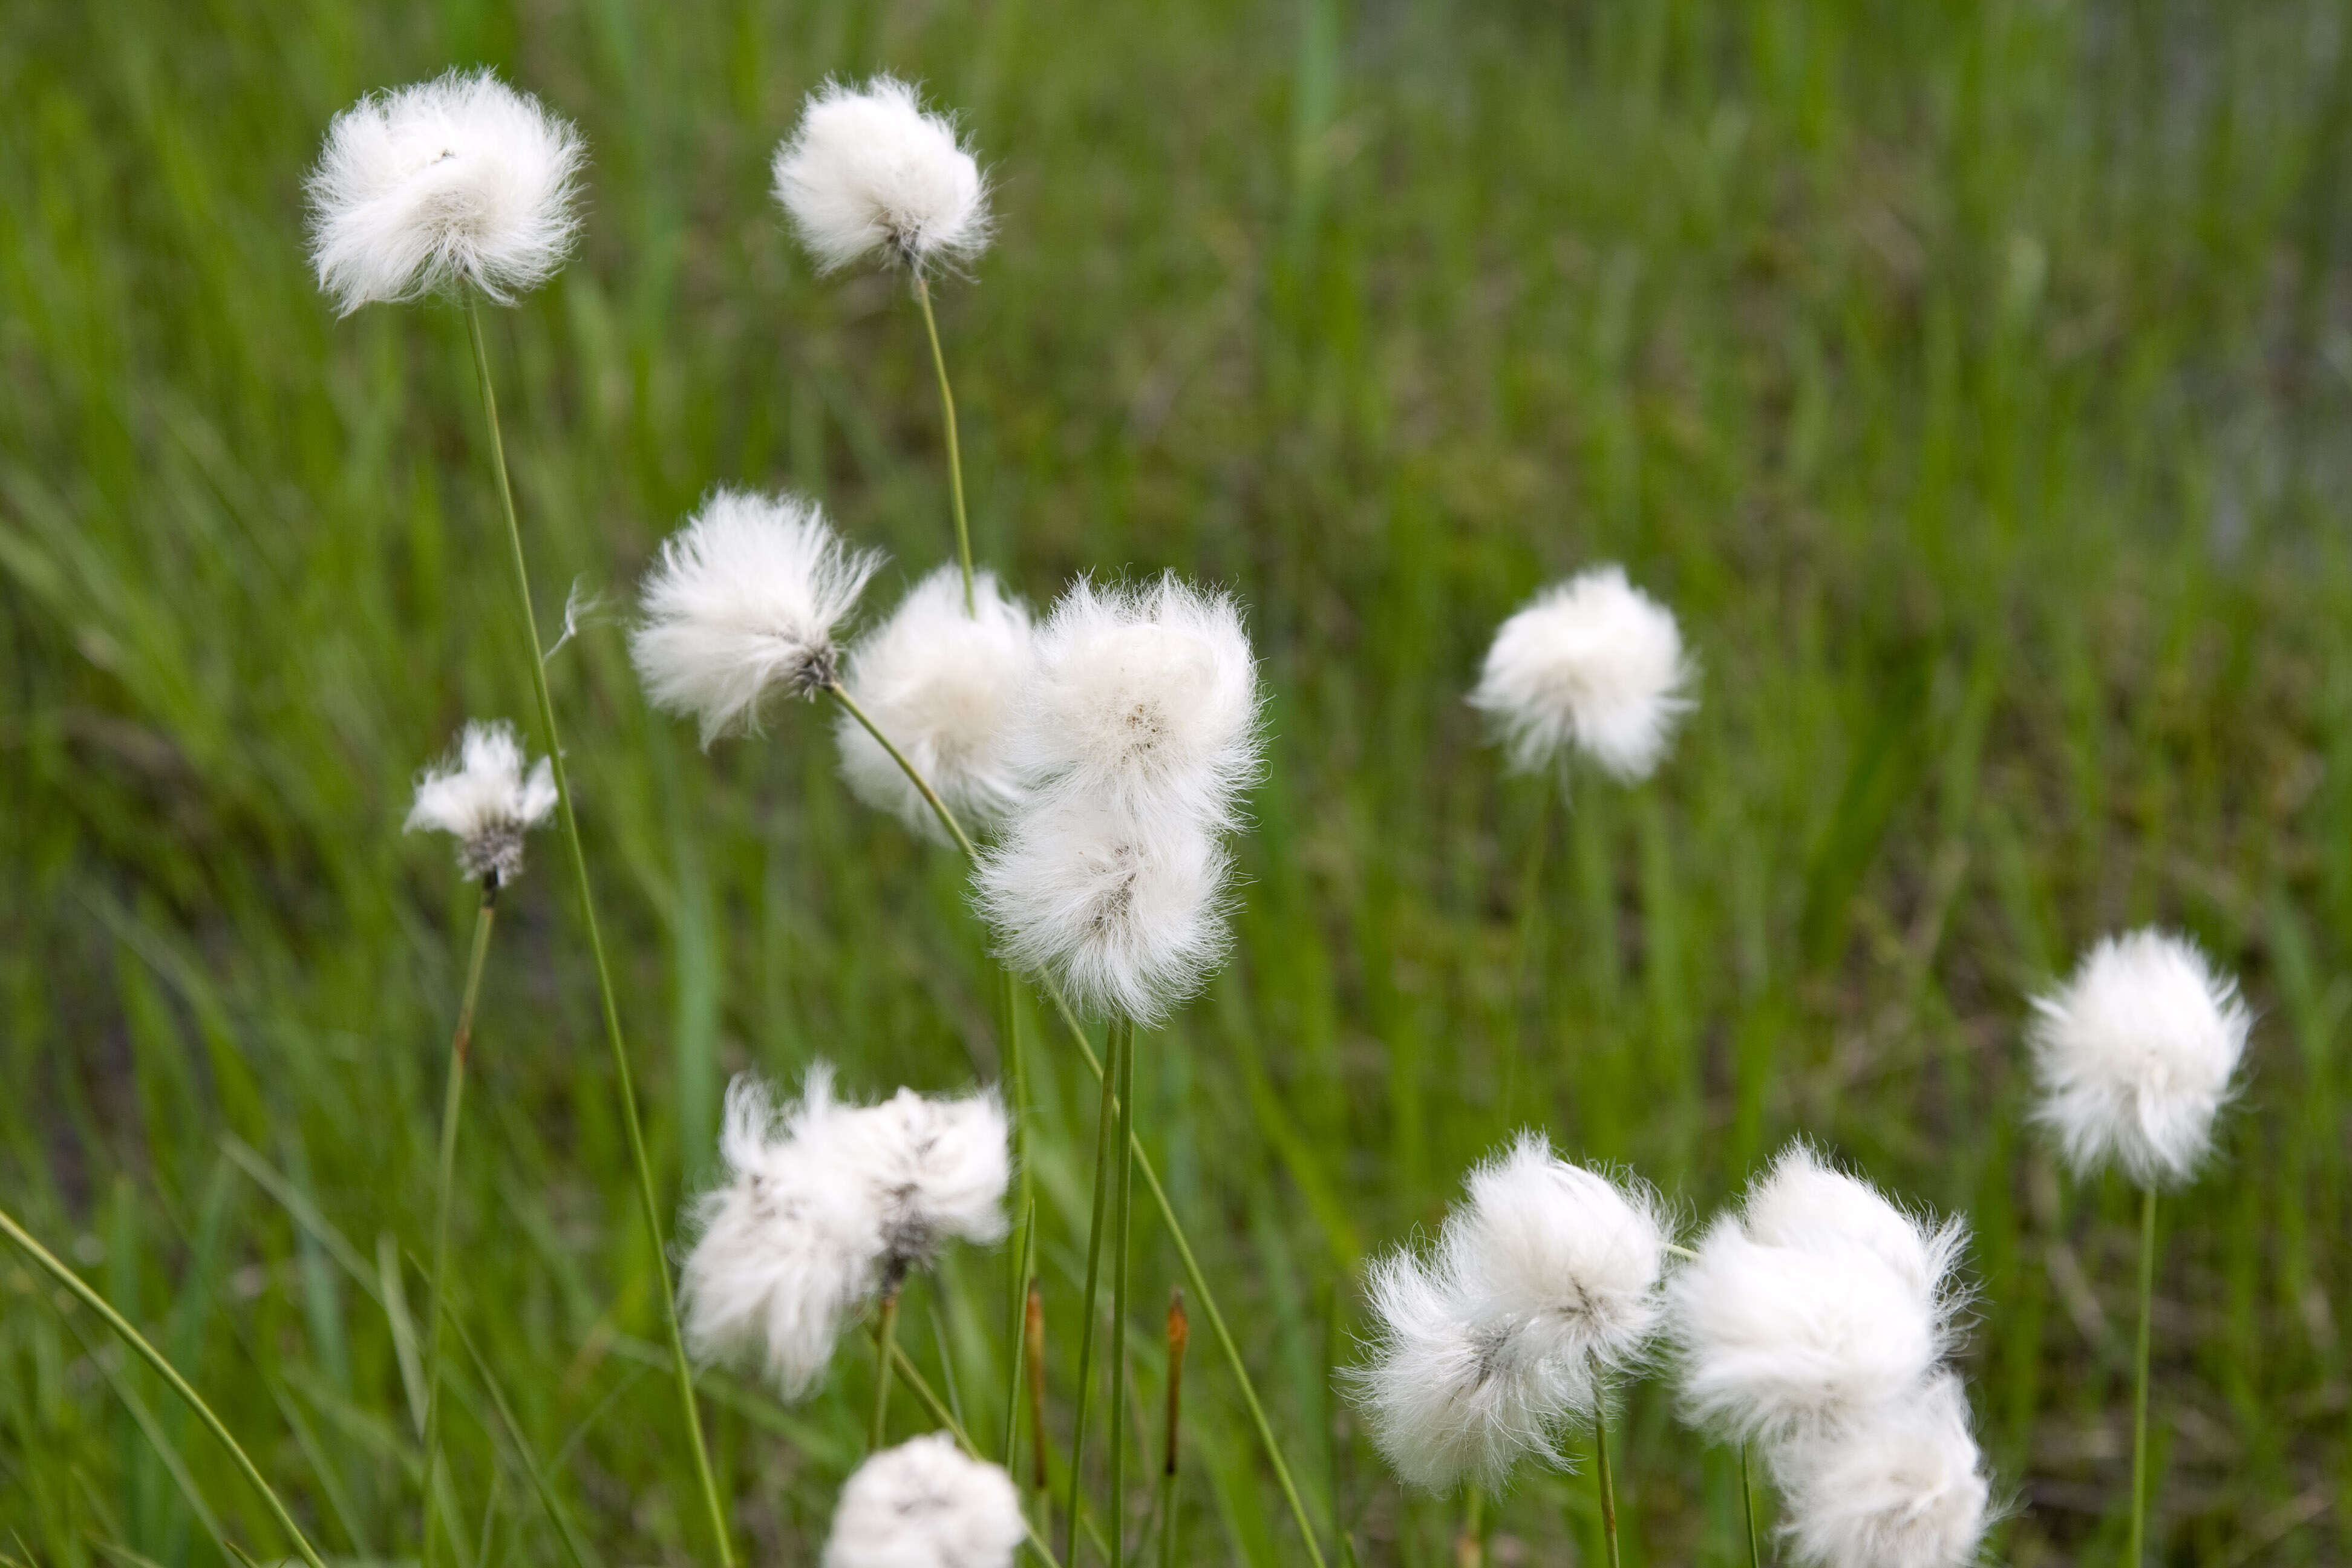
[[1603, 1478], [453, 1107], [1122, 1218], [96, 1303], [1748, 1506], [1016, 1341], [1017, 1073], [2140, 1378], [1105, 1118], [1470, 1546], [955, 449], [650, 1209], [939, 807], [886, 1340]]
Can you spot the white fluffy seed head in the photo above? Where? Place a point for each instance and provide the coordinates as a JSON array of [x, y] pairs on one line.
[[1570, 1259], [1128, 912], [1902, 1487], [944, 686], [1146, 698], [926, 1504], [937, 1168], [742, 600], [1805, 1202], [456, 184], [1594, 663], [485, 801], [2136, 1056], [868, 170], [1778, 1341]]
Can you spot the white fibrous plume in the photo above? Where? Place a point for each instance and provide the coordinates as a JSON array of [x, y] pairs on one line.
[[458, 183], [486, 802], [1547, 1280], [868, 170], [825, 1205], [1136, 735], [926, 1504], [1803, 1200], [2136, 1056], [1903, 1487], [1593, 663], [944, 686], [743, 600]]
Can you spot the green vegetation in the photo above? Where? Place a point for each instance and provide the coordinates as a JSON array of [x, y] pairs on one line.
[[1971, 380]]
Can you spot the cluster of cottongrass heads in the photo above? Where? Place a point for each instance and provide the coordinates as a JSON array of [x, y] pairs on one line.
[[1092, 764]]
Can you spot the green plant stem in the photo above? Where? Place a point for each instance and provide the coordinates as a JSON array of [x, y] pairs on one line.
[[66, 1276], [2140, 1378], [1470, 1547], [1193, 1275], [955, 449], [1105, 1118], [886, 1340], [453, 1107], [1606, 1481], [1748, 1506], [651, 1210], [1122, 1218]]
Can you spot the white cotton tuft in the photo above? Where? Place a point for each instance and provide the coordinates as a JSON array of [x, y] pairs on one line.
[[944, 686], [1778, 1341], [742, 599], [2136, 1056], [825, 1205], [1129, 913], [868, 170], [1570, 1258], [1593, 662], [1898, 1487], [486, 802], [456, 184], [1803, 1203], [926, 1504], [1146, 698]]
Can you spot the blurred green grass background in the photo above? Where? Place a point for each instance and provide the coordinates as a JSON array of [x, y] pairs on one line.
[[1971, 378]]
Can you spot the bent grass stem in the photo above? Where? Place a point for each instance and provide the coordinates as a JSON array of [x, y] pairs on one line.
[[651, 1210], [955, 447], [73, 1282]]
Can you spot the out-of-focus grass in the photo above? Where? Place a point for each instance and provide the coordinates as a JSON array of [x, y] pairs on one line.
[[1971, 379]]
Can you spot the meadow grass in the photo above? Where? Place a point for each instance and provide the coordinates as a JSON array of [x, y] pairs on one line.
[[1971, 380]]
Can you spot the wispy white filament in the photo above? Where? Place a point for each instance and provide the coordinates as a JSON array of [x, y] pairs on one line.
[[1594, 663], [926, 1504], [868, 170], [1545, 1280], [460, 183], [485, 801], [2136, 1054], [743, 599], [825, 1204], [1900, 1486], [944, 686], [1805, 1202]]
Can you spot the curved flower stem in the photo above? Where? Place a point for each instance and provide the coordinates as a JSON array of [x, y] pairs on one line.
[[1198, 1280], [453, 1106], [1105, 1119], [651, 1210], [886, 1340], [1748, 1506], [1122, 1217], [66, 1276], [955, 449], [1603, 1478], [2140, 1378]]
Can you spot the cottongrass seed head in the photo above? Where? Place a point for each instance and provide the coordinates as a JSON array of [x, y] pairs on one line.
[[742, 600], [458, 183], [926, 1504], [944, 685], [486, 800], [868, 170], [824, 1204], [2136, 1056], [1594, 663], [1804, 1201], [1901, 1487]]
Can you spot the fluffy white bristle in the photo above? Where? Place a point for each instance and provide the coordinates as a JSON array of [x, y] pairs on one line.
[[1593, 662], [926, 1504], [867, 170]]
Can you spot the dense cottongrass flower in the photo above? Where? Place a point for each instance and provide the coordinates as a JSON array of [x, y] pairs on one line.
[[460, 183], [868, 170], [1594, 663], [1900, 1486], [944, 685], [485, 801], [742, 600], [926, 1504], [824, 1204], [1803, 1202], [2136, 1054]]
